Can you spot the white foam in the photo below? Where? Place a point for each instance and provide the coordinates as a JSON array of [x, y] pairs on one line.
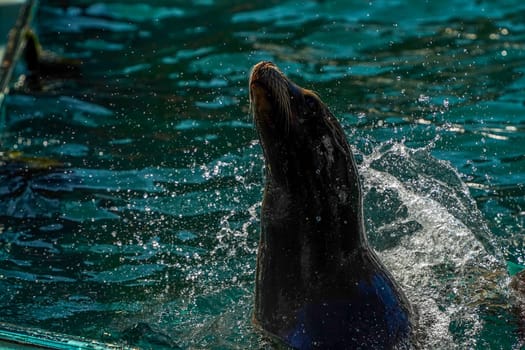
[[438, 266]]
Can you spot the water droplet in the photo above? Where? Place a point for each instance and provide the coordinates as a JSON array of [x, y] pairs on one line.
[[423, 98]]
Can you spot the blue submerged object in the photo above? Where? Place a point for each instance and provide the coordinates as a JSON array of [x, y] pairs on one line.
[[373, 317]]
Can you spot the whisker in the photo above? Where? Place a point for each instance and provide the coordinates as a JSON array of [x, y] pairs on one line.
[[282, 95]]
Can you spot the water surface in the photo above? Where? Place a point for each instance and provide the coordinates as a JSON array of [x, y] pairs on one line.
[[130, 197]]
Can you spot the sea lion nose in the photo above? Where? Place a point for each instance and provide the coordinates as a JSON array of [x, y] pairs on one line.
[[266, 64], [261, 69]]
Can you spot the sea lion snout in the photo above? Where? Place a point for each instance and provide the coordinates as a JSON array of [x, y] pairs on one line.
[[260, 68], [270, 93], [261, 76]]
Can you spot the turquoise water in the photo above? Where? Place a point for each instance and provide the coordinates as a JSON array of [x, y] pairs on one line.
[[132, 213]]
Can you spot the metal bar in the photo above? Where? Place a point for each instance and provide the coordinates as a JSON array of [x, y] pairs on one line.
[[15, 46], [16, 337]]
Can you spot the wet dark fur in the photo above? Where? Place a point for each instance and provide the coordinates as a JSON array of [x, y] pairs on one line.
[[318, 284]]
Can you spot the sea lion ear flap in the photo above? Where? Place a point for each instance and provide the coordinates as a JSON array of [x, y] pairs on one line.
[[313, 107]]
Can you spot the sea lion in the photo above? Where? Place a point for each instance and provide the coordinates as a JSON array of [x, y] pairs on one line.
[[43, 64], [318, 283]]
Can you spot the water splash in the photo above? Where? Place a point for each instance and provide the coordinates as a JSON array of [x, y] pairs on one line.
[[437, 257]]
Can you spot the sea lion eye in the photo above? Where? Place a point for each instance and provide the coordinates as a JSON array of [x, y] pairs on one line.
[[310, 102]]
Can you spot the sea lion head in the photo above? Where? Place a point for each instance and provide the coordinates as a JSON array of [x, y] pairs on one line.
[[298, 133]]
